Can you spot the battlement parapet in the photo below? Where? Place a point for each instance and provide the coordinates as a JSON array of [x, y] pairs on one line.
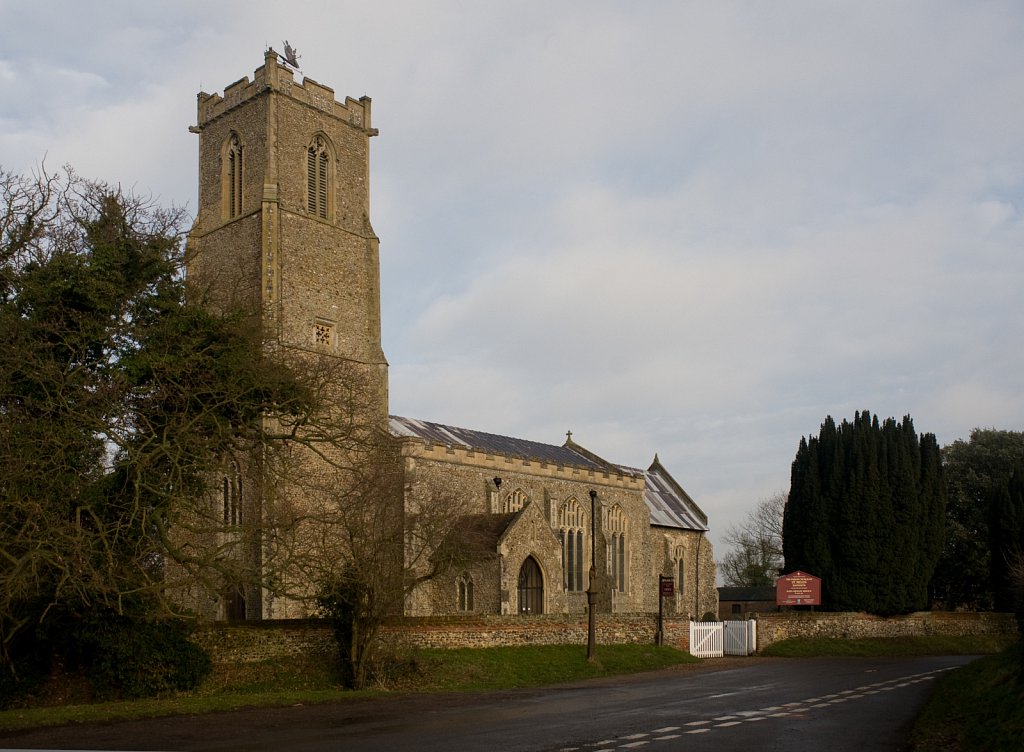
[[464, 455], [273, 76]]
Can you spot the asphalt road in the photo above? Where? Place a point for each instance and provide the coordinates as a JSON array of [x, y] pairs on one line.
[[838, 705]]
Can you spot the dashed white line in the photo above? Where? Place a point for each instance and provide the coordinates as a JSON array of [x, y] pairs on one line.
[[704, 726]]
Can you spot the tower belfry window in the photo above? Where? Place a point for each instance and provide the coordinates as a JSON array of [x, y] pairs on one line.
[[317, 177], [232, 185]]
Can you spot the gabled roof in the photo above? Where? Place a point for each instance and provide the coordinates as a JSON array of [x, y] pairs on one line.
[[669, 505]]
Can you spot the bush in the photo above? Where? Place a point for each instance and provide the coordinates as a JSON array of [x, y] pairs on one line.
[[28, 667], [126, 656], [134, 658]]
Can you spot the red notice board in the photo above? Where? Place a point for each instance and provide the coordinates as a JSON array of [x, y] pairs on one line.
[[798, 589]]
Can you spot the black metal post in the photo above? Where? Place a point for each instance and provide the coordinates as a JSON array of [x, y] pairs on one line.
[[591, 591], [659, 638]]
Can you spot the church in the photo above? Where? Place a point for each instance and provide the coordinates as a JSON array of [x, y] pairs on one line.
[[283, 226]]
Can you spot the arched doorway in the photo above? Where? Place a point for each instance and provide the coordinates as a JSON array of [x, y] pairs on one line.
[[531, 588]]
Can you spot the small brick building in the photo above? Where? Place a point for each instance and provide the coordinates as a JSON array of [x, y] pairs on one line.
[[740, 602], [283, 228]]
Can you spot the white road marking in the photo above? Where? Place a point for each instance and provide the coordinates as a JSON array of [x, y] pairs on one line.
[[750, 716]]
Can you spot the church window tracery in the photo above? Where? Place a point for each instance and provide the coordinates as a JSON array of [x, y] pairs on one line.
[[572, 522], [514, 501], [615, 527], [318, 177], [232, 496], [680, 572], [323, 333], [231, 187], [465, 590]]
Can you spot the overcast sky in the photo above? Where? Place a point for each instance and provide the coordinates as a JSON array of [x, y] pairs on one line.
[[690, 228]]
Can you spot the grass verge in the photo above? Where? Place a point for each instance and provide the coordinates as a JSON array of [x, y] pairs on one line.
[[977, 707], [887, 646], [294, 681]]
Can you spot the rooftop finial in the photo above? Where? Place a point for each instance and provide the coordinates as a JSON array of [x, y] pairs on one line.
[[568, 436]]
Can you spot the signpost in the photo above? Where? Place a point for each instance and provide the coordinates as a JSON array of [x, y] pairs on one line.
[[798, 589], [666, 589]]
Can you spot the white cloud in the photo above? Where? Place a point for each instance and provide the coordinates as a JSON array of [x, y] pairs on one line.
[[694, 230]]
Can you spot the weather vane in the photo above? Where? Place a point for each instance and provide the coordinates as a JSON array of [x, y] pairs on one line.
[[291, 56]]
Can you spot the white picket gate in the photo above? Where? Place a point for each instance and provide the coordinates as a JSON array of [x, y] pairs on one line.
[[706, 639], [740, 637], [713, 639]]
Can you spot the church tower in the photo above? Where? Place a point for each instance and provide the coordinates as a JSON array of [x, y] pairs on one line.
[[283, 232], [283, 223]]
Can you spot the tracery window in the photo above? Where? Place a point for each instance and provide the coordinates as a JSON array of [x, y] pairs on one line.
[[465, 589], [514, 501], [680, 572], [323, 333], [317, 177], [232, 496], [615, 528], [231, 186], [572, 521]]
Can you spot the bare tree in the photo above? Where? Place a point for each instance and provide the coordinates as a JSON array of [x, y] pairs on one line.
[[756, 556], [128, 406]]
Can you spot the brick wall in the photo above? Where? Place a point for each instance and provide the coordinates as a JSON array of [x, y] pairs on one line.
[[780, 626]]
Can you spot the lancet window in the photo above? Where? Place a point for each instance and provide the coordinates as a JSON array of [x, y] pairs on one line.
[[232, 497], [465, 591], [232, 182]]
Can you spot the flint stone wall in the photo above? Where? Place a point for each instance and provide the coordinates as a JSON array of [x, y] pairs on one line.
[[258, 641], [774, 627]]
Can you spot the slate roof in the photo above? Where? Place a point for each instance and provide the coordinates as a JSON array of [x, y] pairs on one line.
[[668, 504], [746, 594], [493, 443]]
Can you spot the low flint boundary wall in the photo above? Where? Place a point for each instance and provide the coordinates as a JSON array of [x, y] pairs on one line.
[[774, 627], [257, 641]]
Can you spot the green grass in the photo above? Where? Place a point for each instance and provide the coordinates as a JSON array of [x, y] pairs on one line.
[[887, 646], [467, 670], [296, 681], [977, 707]]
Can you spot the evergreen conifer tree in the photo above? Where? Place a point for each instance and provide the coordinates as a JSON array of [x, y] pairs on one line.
[[865, 513]]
